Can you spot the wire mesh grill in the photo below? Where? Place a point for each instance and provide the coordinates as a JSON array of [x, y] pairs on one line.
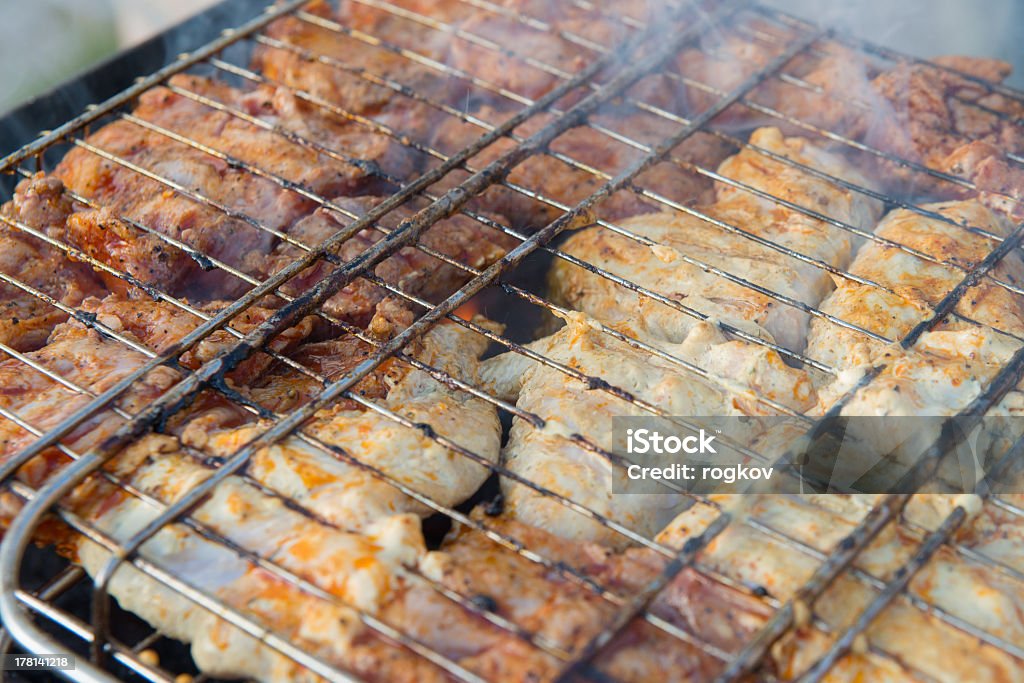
[[447, 188]]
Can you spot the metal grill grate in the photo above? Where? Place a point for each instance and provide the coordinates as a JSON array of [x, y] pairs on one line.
[[606, 77]]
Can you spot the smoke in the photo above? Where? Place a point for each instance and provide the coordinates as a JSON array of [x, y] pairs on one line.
[[46, 41], [991, 29]]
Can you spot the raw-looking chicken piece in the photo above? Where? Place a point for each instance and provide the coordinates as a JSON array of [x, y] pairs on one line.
[[412, 270], [546, 456], [26, 320], [344, 493], [343, 572], [563, 184], [919, 644], [951, 363], [662, 268], [257, 207], [916, 284]]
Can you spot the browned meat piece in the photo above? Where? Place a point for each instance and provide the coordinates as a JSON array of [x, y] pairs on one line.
[[602, 22], [720, 62], [927, 118], [465, 240], [437, 84], [569, 615], [919, 644], [159, 325], [370, 153], [321, 76], [568, 184], [374, 571], [919, 113], [124, 191], [86, 358], [369, 572], [368, 568], [25, 320], [1000, 182], [498, 47], [283, 388], [350, 496]]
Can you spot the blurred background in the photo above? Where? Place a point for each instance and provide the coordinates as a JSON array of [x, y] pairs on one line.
[[44, 42]]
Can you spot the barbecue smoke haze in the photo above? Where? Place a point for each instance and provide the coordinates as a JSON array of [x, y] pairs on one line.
[[927, 28]]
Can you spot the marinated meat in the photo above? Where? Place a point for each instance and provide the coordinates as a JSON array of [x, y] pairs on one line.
[[87, 359], [327, 64], [26, 320], [324, 527], [590, 157], [738, 373], [676, 237], [245, 212], [344, 493], [415, 272], [917, 112]]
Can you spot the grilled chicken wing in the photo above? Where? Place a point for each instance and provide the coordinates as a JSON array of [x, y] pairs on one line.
[[676, 237], [26, 320]]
